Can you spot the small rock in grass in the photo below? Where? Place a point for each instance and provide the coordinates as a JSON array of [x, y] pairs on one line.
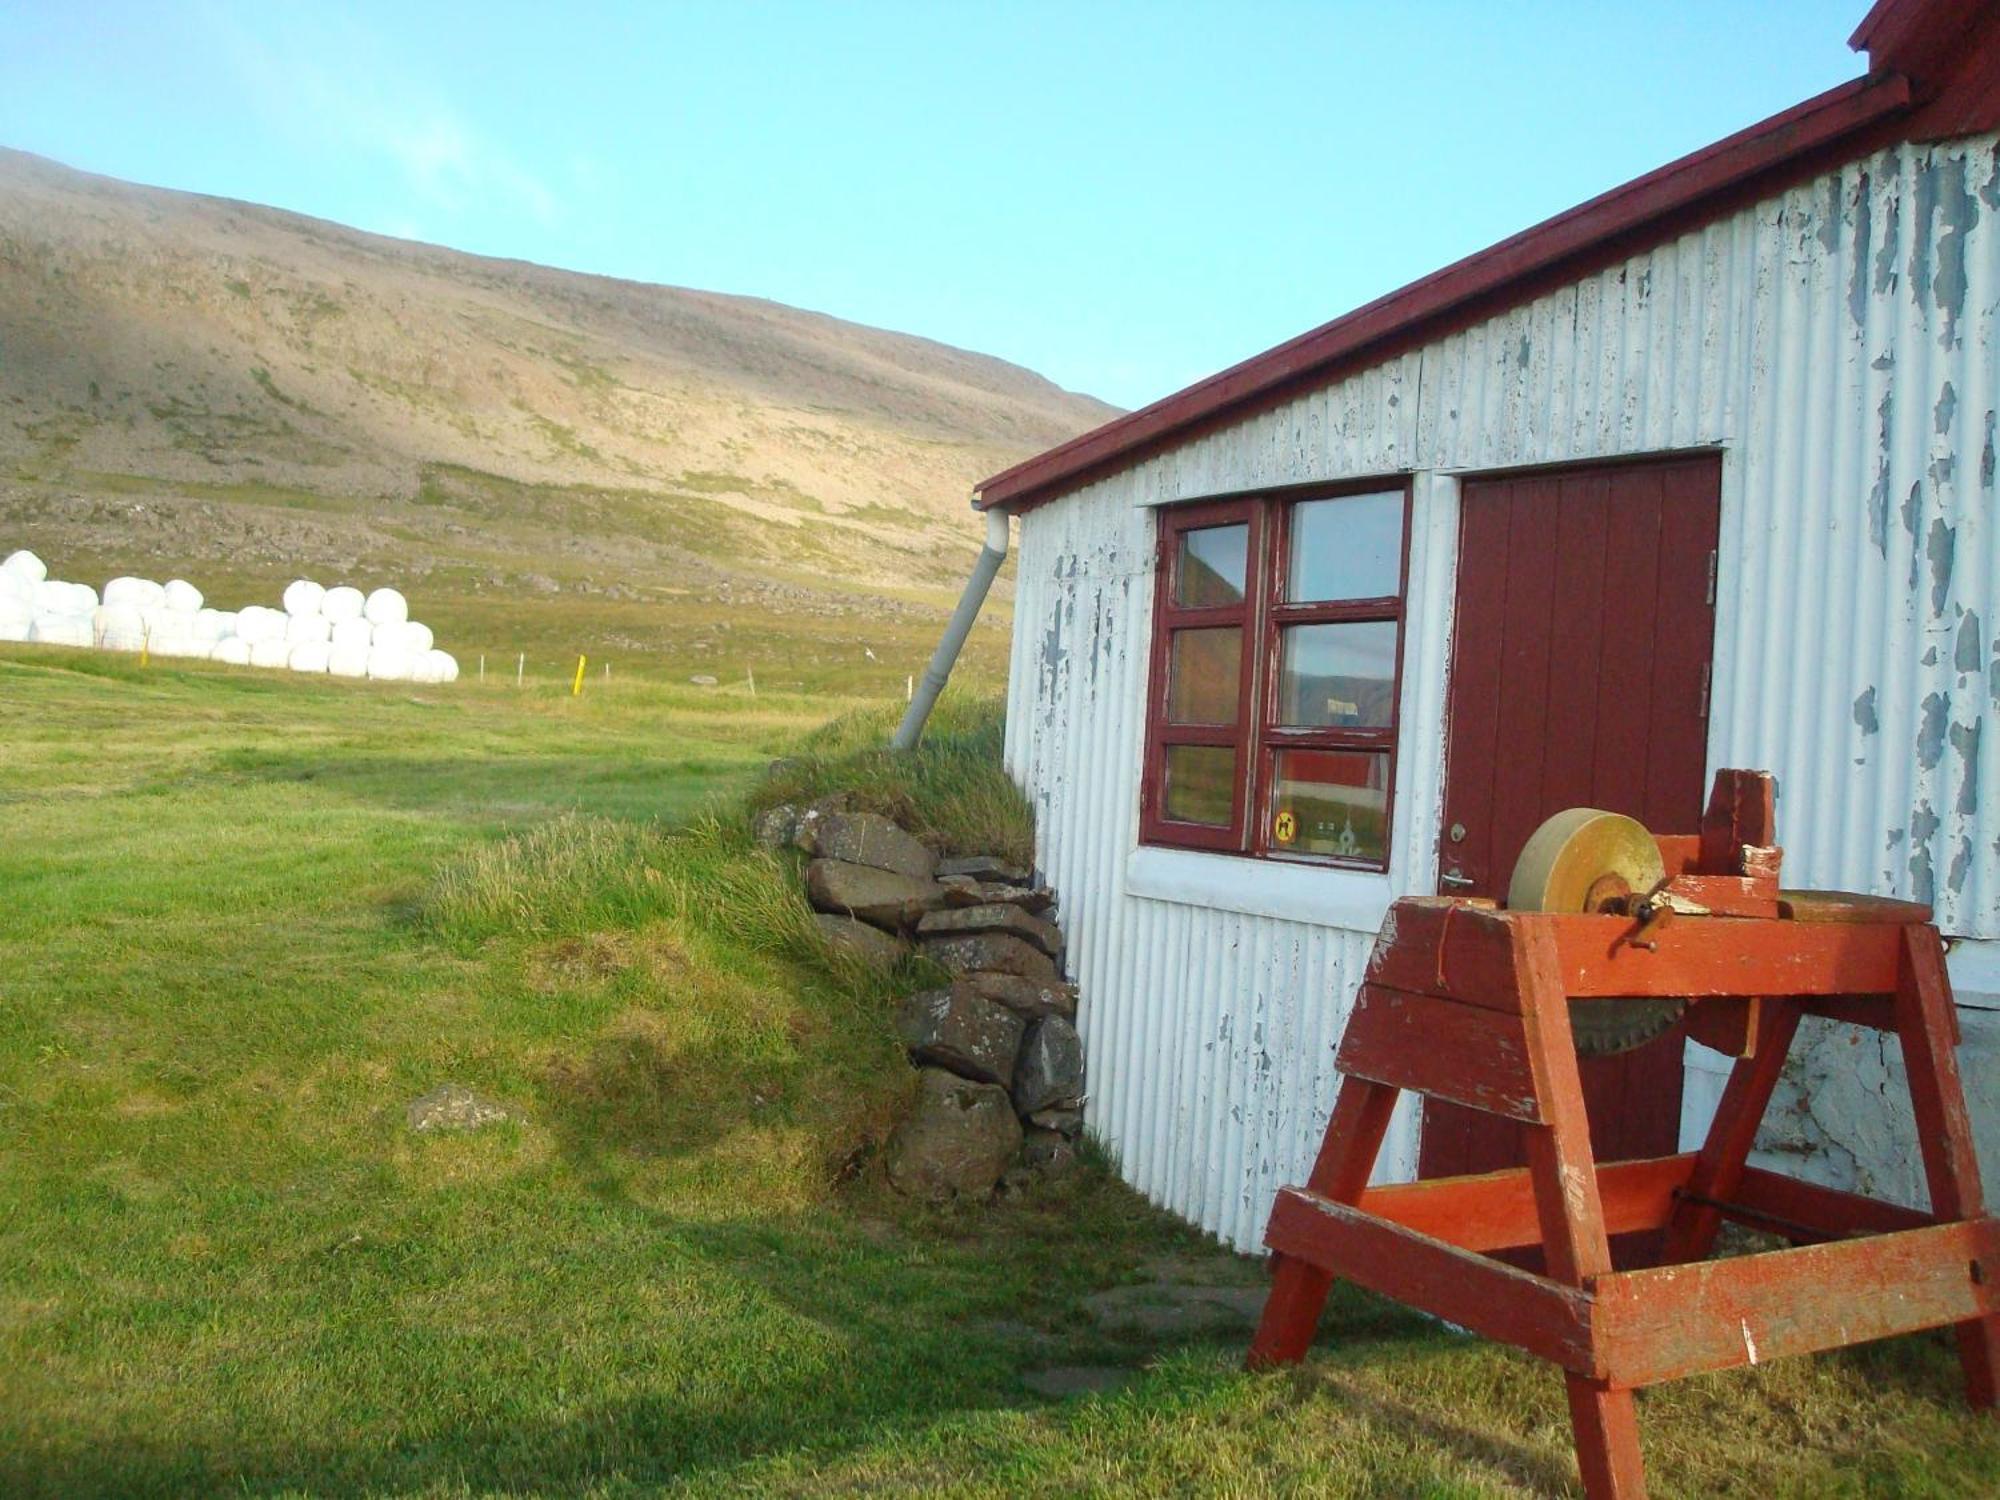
[[1176, 1310], [1049, 1072], [995, 918], [957, 1142], [870, 839], [702, 679], [985, 867], [959, 1030], [871, 945], [805, 832], [880, 897], [775, 826], [452, 1106], [1064, 1381], [1030, 997], [992, 952]]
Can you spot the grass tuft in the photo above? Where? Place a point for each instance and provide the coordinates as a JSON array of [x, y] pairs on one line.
[[951, 791]]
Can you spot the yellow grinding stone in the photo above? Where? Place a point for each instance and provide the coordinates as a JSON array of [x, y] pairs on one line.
[[1581, 851]]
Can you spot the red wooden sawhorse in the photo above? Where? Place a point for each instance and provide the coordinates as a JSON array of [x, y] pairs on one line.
[[1472, 1005]]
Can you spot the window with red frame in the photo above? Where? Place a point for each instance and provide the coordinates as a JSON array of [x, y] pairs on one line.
[[1277, 656]]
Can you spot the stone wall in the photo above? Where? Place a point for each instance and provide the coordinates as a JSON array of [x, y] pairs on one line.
[[1001, 1094]]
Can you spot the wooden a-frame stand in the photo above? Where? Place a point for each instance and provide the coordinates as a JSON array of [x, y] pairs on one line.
[[1470, 1004]]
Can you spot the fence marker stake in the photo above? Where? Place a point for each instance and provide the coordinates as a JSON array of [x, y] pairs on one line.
[[576, 688], [521, 669], [482, 666]]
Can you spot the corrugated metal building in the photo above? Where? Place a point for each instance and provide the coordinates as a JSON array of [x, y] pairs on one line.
[[1783, 351]]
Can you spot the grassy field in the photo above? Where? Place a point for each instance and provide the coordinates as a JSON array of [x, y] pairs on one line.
[[248, 918]]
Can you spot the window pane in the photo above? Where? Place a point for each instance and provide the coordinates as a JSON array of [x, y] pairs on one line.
[[1346, 548], [1201, 784], [1337, 676], [1331, 802], [1212, 565], [1203, 673]]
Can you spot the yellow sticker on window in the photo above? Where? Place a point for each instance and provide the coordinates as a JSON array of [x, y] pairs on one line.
[[1286, 828]]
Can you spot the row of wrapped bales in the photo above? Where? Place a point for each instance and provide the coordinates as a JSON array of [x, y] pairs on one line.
[[338, 631]]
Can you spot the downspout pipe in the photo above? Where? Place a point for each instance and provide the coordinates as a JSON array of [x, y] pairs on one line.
[[953, 641]]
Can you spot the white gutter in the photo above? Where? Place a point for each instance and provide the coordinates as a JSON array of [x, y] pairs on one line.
[[960, 626]]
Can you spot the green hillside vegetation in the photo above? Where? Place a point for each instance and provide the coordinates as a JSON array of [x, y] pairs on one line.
[[251, 917], [684, 483]]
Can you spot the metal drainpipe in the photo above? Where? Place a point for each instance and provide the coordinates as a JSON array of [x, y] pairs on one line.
[[939, 671]]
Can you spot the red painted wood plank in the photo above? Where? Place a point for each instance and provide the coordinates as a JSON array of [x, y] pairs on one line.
[[1620, 737], [1496, 1210], [1583, 615], [1697, 956], [1299, 1288], [1487, 1296], [1673, 1321], [1477, 638], [1459, 952], [1442, 1049]]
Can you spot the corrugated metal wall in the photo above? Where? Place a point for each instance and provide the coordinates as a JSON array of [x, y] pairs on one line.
[[1839, 344]]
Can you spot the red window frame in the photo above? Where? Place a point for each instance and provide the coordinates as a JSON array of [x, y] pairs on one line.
[[1263, 614]]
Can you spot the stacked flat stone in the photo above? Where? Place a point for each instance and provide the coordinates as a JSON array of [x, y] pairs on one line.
[[1001, 1062]]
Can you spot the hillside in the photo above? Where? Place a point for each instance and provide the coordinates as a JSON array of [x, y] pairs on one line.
[[188, 383]]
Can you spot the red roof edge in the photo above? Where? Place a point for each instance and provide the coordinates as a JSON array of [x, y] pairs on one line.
[[1478, 280]]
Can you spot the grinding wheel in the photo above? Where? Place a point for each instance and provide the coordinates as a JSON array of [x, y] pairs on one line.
[[1587, 860]]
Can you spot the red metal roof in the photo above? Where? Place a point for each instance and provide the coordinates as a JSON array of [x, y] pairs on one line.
[[1950, 48]]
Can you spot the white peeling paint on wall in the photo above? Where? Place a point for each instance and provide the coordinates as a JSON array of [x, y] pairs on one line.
[[1838, 343]]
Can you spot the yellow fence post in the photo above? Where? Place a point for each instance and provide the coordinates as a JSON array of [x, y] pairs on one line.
[[576, 688]]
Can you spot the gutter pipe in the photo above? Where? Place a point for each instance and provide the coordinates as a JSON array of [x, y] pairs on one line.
[[960, 626]]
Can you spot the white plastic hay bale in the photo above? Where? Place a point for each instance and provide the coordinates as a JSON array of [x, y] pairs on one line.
[[310, 656], [225, 624], [386, 607], [141, 593], [62, 628], [232, 651], [303, 630], [25, 566], [343, 603], [417, 637], [17, 586], [356, 634], [304, 597], [182, 596], [118, 627], [437, 666], [16, 619], [54, 597], [389, 664], [346, 659], [177, 643], [255, 623], [208, 625], [271, 651]]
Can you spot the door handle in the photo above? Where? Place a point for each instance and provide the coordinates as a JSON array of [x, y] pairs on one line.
[[1456, 881]]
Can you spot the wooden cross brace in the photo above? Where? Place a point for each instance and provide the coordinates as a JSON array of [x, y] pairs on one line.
[[1472, 1005]]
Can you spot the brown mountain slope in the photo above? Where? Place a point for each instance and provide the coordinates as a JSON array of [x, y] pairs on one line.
[[282, 394]]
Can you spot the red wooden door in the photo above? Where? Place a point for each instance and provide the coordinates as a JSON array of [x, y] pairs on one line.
[[1579, 677]]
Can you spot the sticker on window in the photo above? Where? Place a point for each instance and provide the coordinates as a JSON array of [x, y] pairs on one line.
[[1285, 828]]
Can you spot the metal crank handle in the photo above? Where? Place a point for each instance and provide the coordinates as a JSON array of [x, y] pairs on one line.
[[1456, 881]]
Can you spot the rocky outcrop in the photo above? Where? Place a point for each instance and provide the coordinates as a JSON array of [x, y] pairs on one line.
[[1048, 1075], [998, 1038], [959, 1030], [957, 1142]]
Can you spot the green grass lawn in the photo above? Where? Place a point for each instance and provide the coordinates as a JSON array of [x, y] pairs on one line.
[[246, 918]]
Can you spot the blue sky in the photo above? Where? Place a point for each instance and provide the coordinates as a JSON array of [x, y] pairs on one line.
[[1124, 197]]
